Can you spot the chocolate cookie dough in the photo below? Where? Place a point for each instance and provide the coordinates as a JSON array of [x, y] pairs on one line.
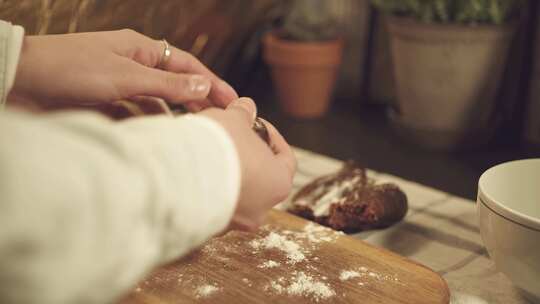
[[350, 201]]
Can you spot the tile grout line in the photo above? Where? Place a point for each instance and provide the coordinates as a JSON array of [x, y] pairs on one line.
[[462, 263]]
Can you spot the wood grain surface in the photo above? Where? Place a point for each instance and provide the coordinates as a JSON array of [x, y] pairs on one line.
[[235, 269]]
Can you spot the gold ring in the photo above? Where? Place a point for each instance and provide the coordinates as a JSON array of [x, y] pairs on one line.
[[166, 55]]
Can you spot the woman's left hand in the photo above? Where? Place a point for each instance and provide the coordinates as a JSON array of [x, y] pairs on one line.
[[103, 67]]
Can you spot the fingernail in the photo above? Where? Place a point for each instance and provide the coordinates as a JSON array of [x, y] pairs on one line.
[[235, 103], [243, 102], [199, 84]]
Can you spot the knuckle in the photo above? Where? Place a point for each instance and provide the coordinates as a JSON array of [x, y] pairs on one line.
[[128, 32], [190, 61], [181, 86], [174, 82], [138, 54]]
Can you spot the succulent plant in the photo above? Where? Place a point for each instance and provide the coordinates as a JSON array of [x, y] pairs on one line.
[[453, 11], [310, 20]]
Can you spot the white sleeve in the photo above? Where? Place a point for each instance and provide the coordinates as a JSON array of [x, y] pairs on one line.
[[11, 38], [89, 206]]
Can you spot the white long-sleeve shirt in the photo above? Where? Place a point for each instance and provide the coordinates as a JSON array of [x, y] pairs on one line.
[[88, 206]]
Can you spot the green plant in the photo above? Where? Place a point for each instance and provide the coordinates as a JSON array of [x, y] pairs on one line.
[[310, 20], [453, 11]]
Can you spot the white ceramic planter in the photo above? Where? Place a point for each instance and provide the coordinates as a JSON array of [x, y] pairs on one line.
[[447, 77]]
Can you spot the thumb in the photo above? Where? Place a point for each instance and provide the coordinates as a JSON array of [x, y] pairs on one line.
[[245, 108], [173, 87]]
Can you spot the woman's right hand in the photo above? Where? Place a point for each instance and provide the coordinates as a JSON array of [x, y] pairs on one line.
[[266, 175]]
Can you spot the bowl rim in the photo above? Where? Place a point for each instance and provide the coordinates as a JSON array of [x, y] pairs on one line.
[[502, 210]]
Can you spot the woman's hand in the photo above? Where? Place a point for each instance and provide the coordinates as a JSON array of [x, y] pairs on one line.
[[102, 67], [266, 175]]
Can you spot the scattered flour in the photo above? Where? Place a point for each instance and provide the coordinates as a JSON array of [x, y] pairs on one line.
[[366, 273], [277, 287], [209, 249], [297, 247], [247, 281], [348, 274], [316, 233], [274, 240], [223, 259], [378, 276], [206, 290], [302, 284], [180, 277], [312, 232], [374, 275], [312, 227], [269, 264]]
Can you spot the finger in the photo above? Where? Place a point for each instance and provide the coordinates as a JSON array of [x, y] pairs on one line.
[[193, 107], [281, 148], [221, 93], [197, 106], [203, 104], [245, 224], [151, 53], [246, 109], [173, 87], [151, 105]]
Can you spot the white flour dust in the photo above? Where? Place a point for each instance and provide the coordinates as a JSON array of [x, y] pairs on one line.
[[276, 241], [269, 264], [348, 274], [206, 290], [302, 284]]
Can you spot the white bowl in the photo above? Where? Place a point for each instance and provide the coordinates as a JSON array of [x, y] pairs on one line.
[[508, 207]]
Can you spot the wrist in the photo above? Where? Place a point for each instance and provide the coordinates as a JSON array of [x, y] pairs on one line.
[[20, 95], [14, 42]]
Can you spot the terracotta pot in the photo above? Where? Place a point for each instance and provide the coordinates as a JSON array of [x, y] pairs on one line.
[[447, 80], [304, 73]]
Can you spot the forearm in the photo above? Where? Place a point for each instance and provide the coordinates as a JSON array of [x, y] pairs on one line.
[[91, 206]]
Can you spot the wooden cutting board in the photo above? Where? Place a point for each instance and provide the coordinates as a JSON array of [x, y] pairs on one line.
[[324, 267]]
